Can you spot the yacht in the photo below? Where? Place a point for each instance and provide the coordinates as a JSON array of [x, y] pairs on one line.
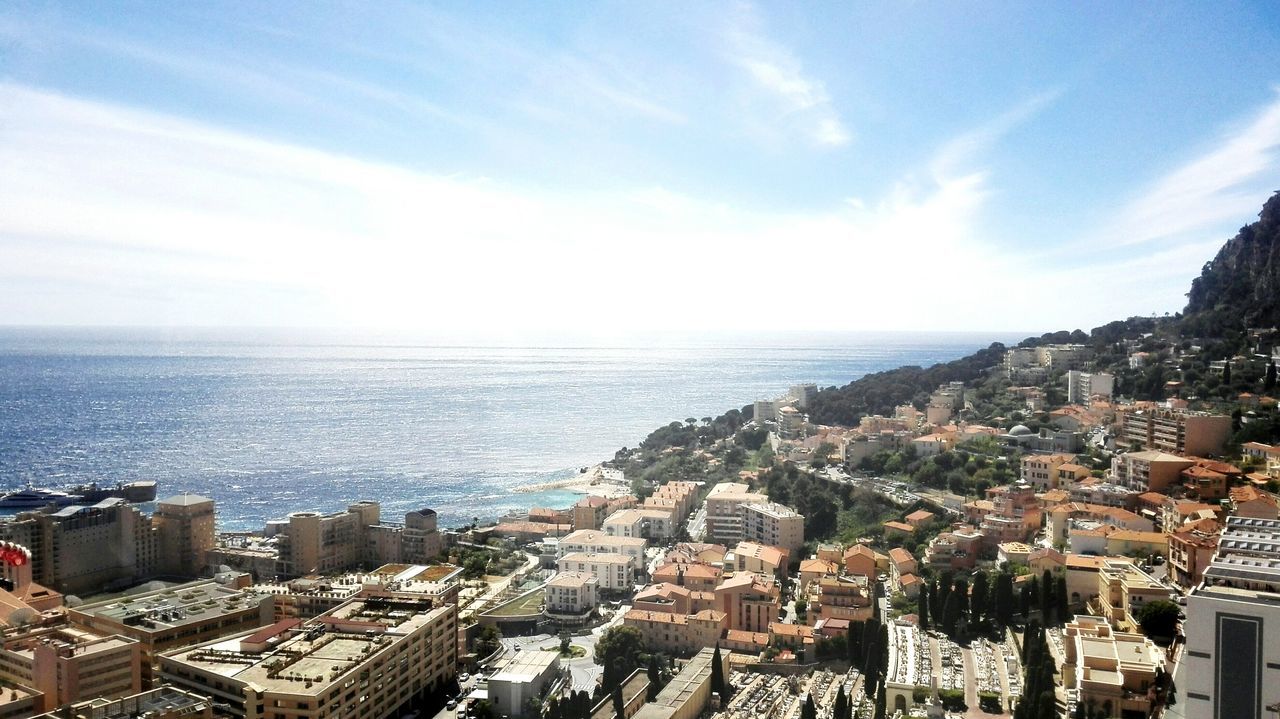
[[36, 497]]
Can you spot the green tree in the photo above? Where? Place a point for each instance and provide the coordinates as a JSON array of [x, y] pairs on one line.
[[1269, 384], [808, 710], [1159, 618], [655, 678], [923, 611], [1047, 605], [1004, 603], [841, 708], [488, 639], [1060, 593], [951, 614], [718, 684], [619, 703], [619, 650]]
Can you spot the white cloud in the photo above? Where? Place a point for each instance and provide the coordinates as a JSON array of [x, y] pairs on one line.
[[794, 101], [1209, 193], [116, 215]]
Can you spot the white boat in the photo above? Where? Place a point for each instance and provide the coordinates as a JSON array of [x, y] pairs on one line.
[[36, 497]]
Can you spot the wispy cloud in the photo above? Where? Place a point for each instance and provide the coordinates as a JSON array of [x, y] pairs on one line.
[[796, 101], [1222, 185], [966, 148], [195, 224]]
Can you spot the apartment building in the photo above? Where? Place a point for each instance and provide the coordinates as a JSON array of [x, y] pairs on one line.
[[1148, 471], [642, 523], [724, 510], [315, 543], [571, 595], [594, 541], [1081, 386], [1191, 550], [1232, 662], [847, 598], [1041, 470], [1123, 589], [68, 664], [164, 702], [678, 634], [365, 658], [761, 559], [1015, 514], [1176, 431], [614, 572], [773, 524], [749, 601], [84, 549], [1113, 671], [179, 616]]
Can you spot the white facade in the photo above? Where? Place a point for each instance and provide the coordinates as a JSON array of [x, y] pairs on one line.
[[523, 677], [1083, 385], [595, 541], [572, 593], [1233, 626], [612, 571], [641, 523]]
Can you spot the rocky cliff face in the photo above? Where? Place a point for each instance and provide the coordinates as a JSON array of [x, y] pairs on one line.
[[1240, 287]]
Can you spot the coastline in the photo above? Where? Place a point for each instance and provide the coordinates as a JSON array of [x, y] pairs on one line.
[[591, 481]]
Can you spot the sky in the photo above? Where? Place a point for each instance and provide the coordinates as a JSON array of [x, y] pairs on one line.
[[615, 167]]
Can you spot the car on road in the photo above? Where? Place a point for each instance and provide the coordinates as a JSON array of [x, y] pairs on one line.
[[465, 676], [453, 704]]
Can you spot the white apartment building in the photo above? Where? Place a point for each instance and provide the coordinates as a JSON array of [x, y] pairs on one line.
[[641, 523], [571, 594], [1232, 664], [773, 524], [366, 658], [595, 541], [614, 572], [1083, 385], [724, 511]]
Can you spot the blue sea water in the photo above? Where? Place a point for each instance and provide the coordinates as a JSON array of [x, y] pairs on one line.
[[269, 423]]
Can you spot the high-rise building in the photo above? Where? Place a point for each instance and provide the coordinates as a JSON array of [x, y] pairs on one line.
[[315, 543], [366, 658], [69, 664], [186, 532], [1174, 430], [84, 549], [1232, 664]]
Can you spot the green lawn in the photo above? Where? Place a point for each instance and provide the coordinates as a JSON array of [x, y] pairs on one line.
[[528, 604]]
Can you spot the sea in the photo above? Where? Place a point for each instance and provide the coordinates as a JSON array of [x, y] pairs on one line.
[[269, 422]]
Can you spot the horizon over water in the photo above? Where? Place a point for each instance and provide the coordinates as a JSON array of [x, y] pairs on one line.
[[272, 421]]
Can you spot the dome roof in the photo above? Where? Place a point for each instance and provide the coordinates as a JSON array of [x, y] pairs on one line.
[[1020, 430]]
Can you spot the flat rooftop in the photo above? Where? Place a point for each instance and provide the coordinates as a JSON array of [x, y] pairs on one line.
[[173, 607], [320, 653], [525, 666]]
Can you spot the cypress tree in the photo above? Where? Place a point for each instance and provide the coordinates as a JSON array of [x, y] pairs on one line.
[[951, 614], [1047, 603], [923, 612], [1004, 599], [935, 599], [853, 642], [880, 704], [717, 675], [961, 591], [655, 678], [808, 711], [978, 602], [883, 647], [1060, 593], [619, 704], [841, 708], [1226, 373], [1269, 383]]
